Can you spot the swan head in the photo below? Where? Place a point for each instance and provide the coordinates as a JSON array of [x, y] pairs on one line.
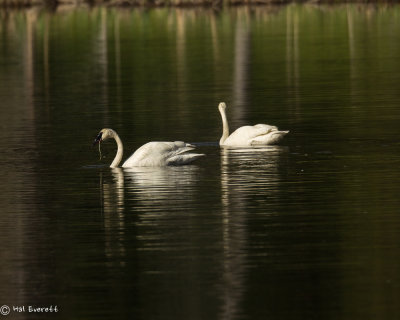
[[104, 134], [222, 106]]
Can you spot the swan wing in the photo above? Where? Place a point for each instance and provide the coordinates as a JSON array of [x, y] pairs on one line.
[[272, 137], [160, 153], [182, 159], [265, 127], [244, 136], [178, 155]]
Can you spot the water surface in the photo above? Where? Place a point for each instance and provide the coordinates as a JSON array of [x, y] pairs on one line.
[[305, 230]]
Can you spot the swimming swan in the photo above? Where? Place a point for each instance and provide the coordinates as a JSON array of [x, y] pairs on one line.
[[260, 134], [151, 154]]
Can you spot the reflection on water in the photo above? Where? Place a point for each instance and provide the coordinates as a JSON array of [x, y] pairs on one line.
[[242, 58], [241, 168], [156, 191], [162, 200], [153, 194], [157, 184], [245, 172], [113, 209]]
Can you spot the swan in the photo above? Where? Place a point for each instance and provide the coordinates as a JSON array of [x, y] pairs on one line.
[[151, 154], [257, 135]]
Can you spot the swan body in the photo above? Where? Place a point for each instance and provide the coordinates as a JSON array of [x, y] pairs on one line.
[[257, 135], [151, 154]]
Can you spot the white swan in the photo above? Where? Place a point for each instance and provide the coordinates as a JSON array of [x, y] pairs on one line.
[[260, 134], [151, 154]]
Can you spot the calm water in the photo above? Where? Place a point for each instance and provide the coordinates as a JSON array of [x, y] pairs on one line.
[[305, 230]]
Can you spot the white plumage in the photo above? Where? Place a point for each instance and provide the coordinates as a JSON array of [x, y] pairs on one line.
[[157, 154], [259, 134], [151, 154]]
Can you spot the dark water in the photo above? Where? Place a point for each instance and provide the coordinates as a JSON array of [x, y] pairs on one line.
[[305, 230]]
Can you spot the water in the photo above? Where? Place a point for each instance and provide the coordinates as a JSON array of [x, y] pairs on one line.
[[305, 230]]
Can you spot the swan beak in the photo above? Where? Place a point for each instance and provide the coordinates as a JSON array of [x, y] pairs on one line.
[[98, 139]]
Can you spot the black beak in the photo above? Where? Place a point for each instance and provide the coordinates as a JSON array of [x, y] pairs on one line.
[[98, 139]]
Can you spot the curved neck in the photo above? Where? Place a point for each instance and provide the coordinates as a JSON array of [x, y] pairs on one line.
[[225, 126], [120, 152]]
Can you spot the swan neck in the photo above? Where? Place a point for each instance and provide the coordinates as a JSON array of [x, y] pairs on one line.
[[120, 152], [225, 126]]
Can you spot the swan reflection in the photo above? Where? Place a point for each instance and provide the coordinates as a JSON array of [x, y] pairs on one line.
[[250, 171], [146, 183], [161, 184], [113, 207], [112, 192], [248, 175], [156, 195], [148, 189]]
